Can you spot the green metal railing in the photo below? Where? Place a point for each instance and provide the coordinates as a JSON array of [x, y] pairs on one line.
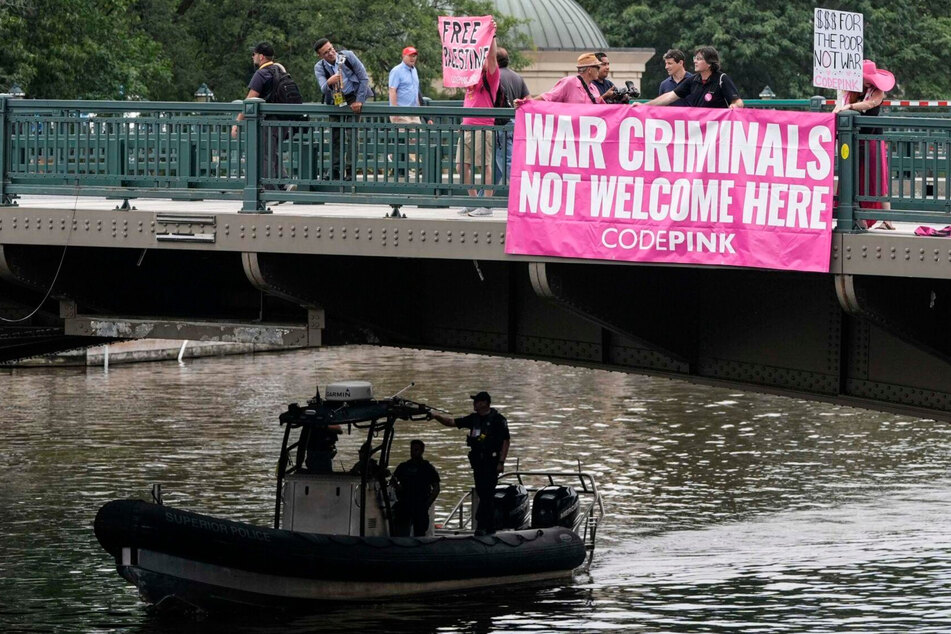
[[191, 151]]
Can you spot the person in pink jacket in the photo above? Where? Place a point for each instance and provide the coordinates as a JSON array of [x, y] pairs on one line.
[[574, 88]]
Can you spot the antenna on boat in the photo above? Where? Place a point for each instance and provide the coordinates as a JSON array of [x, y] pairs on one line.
[[412, 383]]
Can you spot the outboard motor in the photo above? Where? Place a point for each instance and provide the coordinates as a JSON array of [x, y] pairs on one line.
[[511, 507], [554, 506]]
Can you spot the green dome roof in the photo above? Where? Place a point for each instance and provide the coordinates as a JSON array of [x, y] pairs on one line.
[[555, 24]]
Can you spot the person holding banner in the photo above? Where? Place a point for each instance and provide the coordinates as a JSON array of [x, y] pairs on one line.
[[708, 88], [478, 147], [873, 159], [579, 88]]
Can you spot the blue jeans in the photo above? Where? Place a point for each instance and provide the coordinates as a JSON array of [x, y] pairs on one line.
[[503, 153]]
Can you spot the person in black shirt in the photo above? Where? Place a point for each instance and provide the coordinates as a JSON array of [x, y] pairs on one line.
[[488, 442], [416, 482], [262, 83], [708, 88], [604, 85], [321, 446]]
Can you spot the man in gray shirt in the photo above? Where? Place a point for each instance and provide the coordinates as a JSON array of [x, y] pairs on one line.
[[512, 84]]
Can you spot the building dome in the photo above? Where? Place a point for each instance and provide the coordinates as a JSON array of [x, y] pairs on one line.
[[555, 24]]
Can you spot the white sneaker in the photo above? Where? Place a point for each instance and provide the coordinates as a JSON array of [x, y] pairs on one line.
[[291, 187], [481, 211], [465, 211]]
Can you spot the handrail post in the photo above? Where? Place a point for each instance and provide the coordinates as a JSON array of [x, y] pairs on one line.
[[252, 167], [847, 147], [6, 200]]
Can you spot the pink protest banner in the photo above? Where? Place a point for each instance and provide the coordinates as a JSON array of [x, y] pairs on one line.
[[745, 187], [465, 44]]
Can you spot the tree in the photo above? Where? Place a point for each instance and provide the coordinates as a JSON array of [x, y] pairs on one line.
[[768, 42], [211, 42], [77, 49]]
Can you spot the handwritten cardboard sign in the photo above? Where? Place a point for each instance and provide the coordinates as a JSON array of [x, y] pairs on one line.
[[465, 45], [838, 49]]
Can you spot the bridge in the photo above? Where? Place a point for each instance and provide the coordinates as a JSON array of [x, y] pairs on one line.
[[129, 220]]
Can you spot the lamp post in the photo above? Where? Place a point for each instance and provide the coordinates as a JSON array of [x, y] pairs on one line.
[[767, 93], [204, 94]]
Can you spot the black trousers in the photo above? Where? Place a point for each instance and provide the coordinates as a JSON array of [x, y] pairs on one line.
[[340, 143], [272, 157], [416, 517], [486, 477]]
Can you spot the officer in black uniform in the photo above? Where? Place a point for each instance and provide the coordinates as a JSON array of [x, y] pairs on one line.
[[488, 442], [322, 447], [416, 482]]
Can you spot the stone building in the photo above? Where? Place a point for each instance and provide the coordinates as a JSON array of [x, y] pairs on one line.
[[560, 31]]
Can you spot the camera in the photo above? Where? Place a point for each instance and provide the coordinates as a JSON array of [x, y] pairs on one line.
[[624, 94]]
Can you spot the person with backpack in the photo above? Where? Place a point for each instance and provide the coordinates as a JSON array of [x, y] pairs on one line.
[[272, 83], [511, 87], [344, 82]]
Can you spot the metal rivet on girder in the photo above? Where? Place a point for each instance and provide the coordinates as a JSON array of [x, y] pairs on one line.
[[369, 234], [449, 236], [356, 233], [343, 233], [435, 236], [422, 236]]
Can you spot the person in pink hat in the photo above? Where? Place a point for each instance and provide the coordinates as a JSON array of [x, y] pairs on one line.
[[873, 159]]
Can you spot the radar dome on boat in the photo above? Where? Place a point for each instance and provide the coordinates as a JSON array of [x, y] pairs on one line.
[[349, 391]]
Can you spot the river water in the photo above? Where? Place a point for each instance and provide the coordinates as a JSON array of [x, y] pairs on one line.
[[727, 511]]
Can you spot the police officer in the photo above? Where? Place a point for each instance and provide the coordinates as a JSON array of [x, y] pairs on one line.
[[416, 482], [488, 442], [322, 447]]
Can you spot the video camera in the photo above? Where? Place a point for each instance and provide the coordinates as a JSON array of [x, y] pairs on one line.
[[625, 94]]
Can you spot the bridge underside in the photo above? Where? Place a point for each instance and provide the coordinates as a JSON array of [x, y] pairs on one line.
[[879, 342]]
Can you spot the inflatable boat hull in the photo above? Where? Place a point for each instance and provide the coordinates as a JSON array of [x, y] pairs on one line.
[[171, 554]]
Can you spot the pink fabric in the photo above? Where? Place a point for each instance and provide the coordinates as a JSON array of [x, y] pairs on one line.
[[478, 97], [465, 45], [749, 188], [569, 90]]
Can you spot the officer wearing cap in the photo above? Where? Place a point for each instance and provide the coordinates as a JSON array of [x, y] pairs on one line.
[[488, 442]]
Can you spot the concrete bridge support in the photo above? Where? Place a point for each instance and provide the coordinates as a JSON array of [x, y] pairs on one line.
[[856, 339]]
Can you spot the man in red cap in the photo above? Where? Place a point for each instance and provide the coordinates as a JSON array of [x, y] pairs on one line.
[[404, 85], [404, 91]]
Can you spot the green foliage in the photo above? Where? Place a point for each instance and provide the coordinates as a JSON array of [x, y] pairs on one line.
[[769, 42], [164, 49], [78, 49]]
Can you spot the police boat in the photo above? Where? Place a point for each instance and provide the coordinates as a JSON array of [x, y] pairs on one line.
[[334, 535]]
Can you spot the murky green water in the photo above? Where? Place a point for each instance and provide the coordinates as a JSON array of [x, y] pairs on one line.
[[727, 511]]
